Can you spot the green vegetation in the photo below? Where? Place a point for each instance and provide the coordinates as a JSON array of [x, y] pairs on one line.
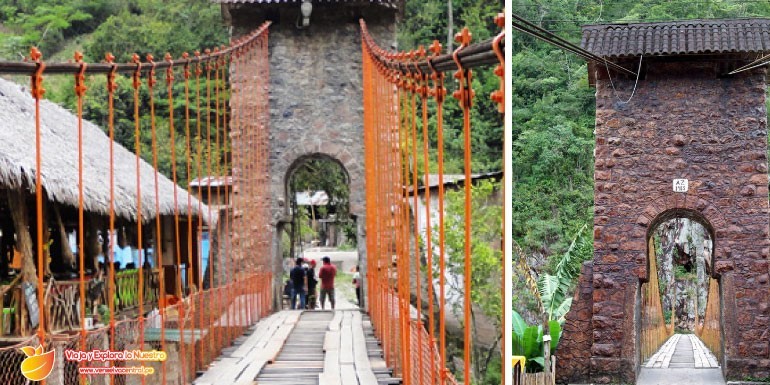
[[322, 174], [95, 27], [553, 121], [120, 27], [487, 264], [426, 21], [528, 341]]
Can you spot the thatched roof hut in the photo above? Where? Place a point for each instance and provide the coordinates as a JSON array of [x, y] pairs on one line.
[[60, 161]]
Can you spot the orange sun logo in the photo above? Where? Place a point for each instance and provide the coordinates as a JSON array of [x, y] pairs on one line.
[[38, 365]]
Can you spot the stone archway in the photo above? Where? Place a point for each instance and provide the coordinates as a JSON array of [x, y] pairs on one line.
[[686, 123], [680, 282], [281, 173]]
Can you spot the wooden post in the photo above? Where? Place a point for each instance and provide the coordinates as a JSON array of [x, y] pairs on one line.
[[46, 242], [66, 251], [546, 342], [17, 204], [547, 349], [92, 247]]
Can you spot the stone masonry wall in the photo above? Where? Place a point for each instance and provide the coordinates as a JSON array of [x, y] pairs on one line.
[[573, 363], [315, 95], [251, 237], [683, 122]]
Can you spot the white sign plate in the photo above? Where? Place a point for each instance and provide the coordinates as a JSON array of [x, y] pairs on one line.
[[681, 185]]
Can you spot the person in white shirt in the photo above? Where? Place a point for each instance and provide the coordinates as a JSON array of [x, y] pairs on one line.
[[357, 283]]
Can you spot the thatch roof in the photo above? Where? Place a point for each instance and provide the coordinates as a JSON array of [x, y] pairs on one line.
[[60, 160]]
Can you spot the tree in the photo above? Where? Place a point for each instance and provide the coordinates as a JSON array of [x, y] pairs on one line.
[[426, 21], [322, 174]]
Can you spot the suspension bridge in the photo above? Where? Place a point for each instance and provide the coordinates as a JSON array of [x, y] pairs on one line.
[[199, 280]]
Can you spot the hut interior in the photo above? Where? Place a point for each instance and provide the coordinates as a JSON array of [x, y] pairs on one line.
[[62, 271]]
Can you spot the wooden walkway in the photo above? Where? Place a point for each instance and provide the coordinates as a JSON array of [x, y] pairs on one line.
[[682, 351], [682, 360], [303, 348]]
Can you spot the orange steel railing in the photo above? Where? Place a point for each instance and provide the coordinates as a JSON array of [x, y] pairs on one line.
[[654, 331], [399, 90], [709, 329], [217, 103]]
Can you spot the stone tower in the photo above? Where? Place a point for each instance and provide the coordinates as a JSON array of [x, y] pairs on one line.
[[684, 118], [316, 97]]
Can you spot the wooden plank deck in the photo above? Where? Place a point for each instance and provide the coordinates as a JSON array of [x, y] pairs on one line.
[[304, 348], [348, 359], [244, 362]]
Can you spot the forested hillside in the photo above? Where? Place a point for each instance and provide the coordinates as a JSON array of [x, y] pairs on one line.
[[552, 103], [553, 118], [553, 107], [553, 111], [95, 27]]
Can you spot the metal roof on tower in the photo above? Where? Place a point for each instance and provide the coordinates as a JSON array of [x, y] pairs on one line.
[[299, 1], [690, 37]]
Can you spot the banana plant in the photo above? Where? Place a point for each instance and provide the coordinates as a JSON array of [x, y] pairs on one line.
[[528, 341], [556, 289], [554, 294]]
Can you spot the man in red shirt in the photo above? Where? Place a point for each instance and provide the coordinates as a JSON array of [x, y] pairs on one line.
[[327, 274]]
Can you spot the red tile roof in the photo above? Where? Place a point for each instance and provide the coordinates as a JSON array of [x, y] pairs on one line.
[[678, 38]]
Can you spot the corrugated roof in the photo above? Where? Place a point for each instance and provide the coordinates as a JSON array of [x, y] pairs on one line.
[[678, 38], [213, 181], [450, 179], [317, 198], [299, 1]]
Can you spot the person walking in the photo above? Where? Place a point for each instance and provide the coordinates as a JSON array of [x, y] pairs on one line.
[[312, 283], [299, 281], [327, 274], [357, 283]]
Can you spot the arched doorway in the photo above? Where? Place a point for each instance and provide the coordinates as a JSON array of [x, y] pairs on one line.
[[318, 220], [681, 301]]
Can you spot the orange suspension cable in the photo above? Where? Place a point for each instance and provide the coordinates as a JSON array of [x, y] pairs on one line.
[[111, 87], [393, 176], [465, 96], [80, 89], [235, 133], [404, 262], [136, 83], [199, 162], [158, 223], [389, 228], [385, 258], [215, 230], [499, 98], [230, 176], [242, 301], [37, 92], [210, 260], [222, 173], [177, 240], [439, 93], [245, 117], [231, 275], [236, 93], [366, 67], [422, 90], [188, 165], [378, 291], [395, 182], [410, 85]]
